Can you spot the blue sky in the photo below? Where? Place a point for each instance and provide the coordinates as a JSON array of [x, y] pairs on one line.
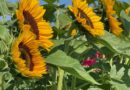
[[64, 1], [61, 1], [67, 2]]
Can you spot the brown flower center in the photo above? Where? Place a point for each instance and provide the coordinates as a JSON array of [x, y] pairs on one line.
[[29, 19], [85, 16], [26, 55]]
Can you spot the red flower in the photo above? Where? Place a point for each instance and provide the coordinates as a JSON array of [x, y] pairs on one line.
[[89, 62]]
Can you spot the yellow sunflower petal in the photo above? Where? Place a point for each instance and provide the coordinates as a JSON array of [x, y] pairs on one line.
[[31, 13], [85, 15], [127, 11], [113, 22], [73, 32], [26, 55]]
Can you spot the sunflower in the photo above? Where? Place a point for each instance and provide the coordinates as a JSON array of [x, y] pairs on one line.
[[113, 22], [26, 55], [31, 13], [73, 32], [85, 15], [128, 11]]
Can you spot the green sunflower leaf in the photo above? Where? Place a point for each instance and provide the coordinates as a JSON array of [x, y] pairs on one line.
[[95, 89], [119, 6], [5, 39], [115, 44], [80, 46], [125, 22], [70, 65], [5, 79], [4, 8], [50, 10], [116, 74], [3, 47], [5, 35], [64, 20], [12, 6], [3, 64], [116, 78]]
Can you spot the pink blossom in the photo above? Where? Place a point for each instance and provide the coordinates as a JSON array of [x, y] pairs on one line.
[[89, 62]]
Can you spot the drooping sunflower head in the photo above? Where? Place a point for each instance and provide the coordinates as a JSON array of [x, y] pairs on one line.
[[26, 56], [109, 4], [85, 15], [113, 22], [31, 13]]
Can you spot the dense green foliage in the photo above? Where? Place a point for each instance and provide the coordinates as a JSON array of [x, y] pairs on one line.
[[64, 61]]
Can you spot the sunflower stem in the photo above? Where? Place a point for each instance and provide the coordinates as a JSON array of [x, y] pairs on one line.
[[60, 79], [1, 82], [73, 83], [57, 19]]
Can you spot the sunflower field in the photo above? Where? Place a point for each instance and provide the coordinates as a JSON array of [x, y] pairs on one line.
[[47, 45]]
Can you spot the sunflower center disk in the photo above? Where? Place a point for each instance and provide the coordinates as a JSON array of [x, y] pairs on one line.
[[29, 19], [26, 55], [85, 16]]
